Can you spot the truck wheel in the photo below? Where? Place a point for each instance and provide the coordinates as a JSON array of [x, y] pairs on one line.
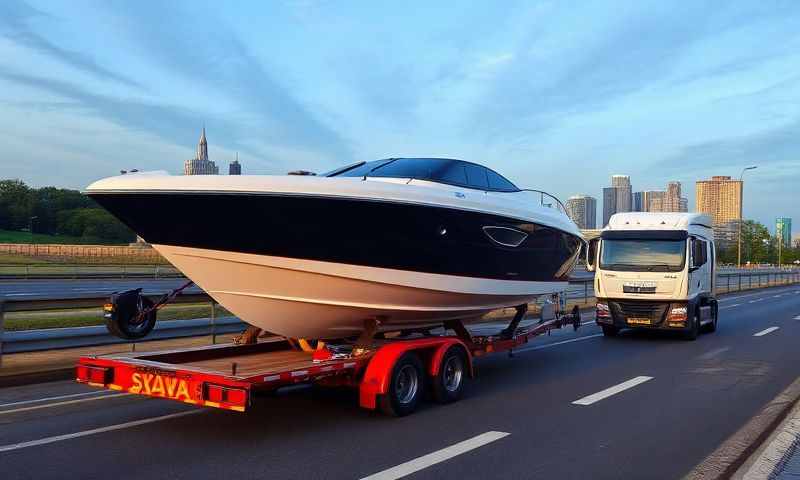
[[610, 330], [694, 328], [448, 384], [405, 387]]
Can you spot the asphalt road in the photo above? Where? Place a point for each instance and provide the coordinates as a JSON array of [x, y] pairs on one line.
[[684, 399]]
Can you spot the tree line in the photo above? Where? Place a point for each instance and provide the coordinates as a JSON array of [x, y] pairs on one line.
[[58, 211], [759, 247]]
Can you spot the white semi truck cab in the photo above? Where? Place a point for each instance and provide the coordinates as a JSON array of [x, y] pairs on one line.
[[655, 271]]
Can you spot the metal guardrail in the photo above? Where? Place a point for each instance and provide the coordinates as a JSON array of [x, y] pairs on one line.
[[29, 304], [45, 339], [583, 289], [55, 338], [86, 271]]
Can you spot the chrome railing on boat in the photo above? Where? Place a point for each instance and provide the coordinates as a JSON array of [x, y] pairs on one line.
[[548, 200]]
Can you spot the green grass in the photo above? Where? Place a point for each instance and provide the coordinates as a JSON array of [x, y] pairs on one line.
[[86, 318], [10, 236]]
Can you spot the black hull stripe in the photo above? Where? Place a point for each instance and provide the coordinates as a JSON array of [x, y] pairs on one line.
[[402, 236]]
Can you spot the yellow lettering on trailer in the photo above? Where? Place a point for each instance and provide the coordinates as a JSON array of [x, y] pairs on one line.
[[183, 390], [160, 386], [136, 378]]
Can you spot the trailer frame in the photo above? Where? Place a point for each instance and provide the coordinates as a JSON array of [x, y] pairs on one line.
[[228, 376]]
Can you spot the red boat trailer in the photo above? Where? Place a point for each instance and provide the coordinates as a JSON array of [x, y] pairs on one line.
[[227, 376]]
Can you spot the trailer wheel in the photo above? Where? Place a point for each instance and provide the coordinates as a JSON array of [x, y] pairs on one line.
[[448, 384], [694, 328], [405, 388], [610, 330]]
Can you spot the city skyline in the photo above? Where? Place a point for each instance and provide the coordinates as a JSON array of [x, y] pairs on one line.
[[526, 89]]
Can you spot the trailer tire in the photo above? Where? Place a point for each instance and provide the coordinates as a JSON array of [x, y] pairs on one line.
[[610, 330], [694, 328], [405, 387], [448, 383]]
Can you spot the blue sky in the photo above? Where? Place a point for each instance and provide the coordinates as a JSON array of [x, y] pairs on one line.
[[555, 95]]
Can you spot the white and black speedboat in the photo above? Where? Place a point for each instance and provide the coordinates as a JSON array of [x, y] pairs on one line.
[[404, 241]]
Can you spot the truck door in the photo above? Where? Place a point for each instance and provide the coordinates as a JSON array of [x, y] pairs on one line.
[[699, 267]]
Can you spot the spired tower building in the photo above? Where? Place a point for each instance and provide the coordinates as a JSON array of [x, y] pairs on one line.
[[200, 165]]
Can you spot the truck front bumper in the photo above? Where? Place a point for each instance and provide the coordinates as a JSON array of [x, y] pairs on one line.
[[643, 314]]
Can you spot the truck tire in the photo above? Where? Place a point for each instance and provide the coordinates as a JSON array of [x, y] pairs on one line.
[[448, 383], [694, 327], [405, 387], [610, 330]]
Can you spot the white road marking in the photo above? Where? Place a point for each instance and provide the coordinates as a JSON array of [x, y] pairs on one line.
[[797, 317], [765, 331], [86, 433], [756, 300], [596, 397], [727, 299], [555, 344], [777, 296], [730, 306], [587, 323], [438, 456], [713, 353], [59, 397], [57, 404]]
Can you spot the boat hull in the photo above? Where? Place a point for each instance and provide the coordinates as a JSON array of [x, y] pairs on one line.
[[312, 299]]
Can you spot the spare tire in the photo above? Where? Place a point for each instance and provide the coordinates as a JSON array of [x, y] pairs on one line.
[[124, 316]]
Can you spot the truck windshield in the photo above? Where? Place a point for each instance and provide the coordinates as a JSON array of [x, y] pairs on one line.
[[643, 255]]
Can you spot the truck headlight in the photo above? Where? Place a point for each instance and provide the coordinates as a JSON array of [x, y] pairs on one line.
[[603, 313], [677, 314]]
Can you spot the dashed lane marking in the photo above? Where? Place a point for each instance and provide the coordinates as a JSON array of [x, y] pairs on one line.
[[603, 394], [58, 404], [94, 431], [766, 331], [438, 456], [555, 344], [59, 397]]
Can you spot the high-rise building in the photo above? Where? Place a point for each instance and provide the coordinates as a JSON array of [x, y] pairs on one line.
[[783, 230], [235, 168], [637, 203], [609, 203], [651, 199], [623, 185], [721, 197], [582, 209], [618, 197], [200, 164], [671, 200]]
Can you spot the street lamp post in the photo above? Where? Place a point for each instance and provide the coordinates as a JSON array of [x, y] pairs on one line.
[[741, 219], [30, 228]]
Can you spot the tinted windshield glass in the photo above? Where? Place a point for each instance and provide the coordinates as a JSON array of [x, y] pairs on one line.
[[648, 255], [453, 172], [357, 170]]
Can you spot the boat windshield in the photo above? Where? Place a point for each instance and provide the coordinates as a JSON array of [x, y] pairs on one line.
[[635, 255], [440, 170]]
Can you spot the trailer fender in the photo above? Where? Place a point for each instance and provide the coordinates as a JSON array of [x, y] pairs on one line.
[[377, 375], [436, 359]]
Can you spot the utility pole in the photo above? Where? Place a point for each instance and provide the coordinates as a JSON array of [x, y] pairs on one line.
[[741, 219]]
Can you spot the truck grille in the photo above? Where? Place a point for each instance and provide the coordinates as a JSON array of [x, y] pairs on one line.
[[654, 311]]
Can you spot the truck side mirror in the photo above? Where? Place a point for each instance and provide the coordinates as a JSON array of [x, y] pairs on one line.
[[591, 254]]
